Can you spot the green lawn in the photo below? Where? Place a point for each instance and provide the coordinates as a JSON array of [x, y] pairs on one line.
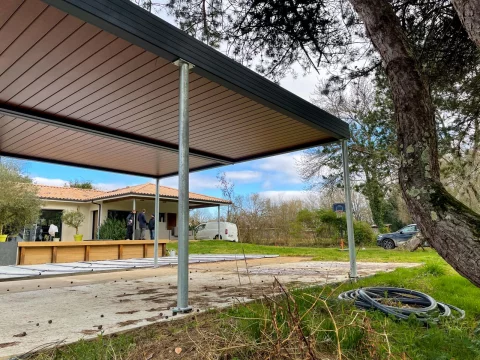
[[375, 254]]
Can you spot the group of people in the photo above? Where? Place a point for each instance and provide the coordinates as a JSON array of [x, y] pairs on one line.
[[142, 223]]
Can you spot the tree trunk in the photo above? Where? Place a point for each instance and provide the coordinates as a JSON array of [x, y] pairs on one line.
[[469, 13], [448, 225]]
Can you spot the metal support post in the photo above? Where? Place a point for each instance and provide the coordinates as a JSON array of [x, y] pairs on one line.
[[183, 206], [134, 218], [348, 205], [218, 221], [157, 224]]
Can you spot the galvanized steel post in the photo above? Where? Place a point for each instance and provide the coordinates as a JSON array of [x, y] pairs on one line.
[[134, 218], [157, 211], [218, 221], [348, 204], [183, 172]]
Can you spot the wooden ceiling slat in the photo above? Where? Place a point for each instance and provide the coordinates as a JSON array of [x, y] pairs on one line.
[[7, 9], [225, 112], [88, 64], [78, 97], [29, 37], [162, 105], [126, 55], [150, 79], [135, 101], [168, 115], [54, 57], [41, 48], [262, 141], [48, 82], [18, 22]]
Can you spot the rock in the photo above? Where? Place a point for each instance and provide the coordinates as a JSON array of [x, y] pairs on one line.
[[22, 334]]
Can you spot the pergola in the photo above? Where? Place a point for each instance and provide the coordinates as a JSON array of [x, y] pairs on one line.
[[104, 84]]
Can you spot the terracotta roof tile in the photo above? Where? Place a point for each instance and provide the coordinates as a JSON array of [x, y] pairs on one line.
[[67, 193]]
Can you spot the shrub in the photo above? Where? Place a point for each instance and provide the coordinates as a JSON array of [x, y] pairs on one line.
[[112, 229], [363, 233]]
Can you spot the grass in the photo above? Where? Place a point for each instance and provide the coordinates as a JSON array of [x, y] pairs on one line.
[[371, 335], [374, 254]]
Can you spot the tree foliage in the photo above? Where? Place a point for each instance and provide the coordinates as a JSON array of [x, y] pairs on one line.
[[19, 204], [80, 184]]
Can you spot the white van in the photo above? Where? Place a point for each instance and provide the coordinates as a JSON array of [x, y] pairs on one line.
[[209, 231]]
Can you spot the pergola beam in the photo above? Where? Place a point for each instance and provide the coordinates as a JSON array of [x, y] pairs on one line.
[[106, 132]]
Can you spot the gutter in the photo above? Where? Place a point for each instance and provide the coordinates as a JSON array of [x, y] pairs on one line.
[[99, 217]]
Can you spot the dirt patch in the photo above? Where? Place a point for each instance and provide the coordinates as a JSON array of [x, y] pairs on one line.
[[128, 322], [160, 298], [89, 332], [123, 295], [9, 344], [154, 318], [148, 291], [127, 312], [155, 309]]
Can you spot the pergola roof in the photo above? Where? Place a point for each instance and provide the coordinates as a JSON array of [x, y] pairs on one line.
[[92, 83]]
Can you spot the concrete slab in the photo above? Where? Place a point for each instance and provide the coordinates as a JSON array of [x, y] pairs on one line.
[[83, 306], [20, 271]]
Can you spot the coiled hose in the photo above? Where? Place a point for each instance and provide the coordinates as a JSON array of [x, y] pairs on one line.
[[402, 303]]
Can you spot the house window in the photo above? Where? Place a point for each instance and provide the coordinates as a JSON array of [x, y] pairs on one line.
[[117, 214], [48, 217]]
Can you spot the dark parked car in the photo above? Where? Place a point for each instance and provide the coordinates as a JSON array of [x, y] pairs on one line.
[[392, 240]]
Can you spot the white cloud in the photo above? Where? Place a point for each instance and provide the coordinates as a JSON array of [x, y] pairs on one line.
[[108, 186], [50, 182], [285, 195], [244, 176], [280, 169], [61, 182], [197, 182]]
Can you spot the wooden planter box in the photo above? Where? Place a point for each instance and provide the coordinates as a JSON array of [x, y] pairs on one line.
[[31, 253]]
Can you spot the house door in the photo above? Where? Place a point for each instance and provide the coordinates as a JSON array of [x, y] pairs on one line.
[[171, 221], [95, 224]]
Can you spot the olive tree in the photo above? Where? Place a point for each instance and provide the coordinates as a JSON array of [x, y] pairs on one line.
[[19, 204]]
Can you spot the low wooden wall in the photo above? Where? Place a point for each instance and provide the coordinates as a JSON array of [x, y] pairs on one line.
[[31, 253]]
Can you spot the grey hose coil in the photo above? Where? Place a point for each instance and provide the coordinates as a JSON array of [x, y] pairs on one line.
[[422, 306]]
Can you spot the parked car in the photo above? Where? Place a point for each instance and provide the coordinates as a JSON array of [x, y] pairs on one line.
[[209, 231], [392, 240]]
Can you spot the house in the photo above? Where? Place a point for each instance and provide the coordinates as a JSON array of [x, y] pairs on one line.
[[99, 205]]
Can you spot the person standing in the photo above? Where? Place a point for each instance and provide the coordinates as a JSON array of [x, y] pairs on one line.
[[151, 227], [130, 221], [142, 223]]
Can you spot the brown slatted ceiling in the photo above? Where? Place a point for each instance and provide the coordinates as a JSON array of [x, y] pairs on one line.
[[55, 63], [64, 148]]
